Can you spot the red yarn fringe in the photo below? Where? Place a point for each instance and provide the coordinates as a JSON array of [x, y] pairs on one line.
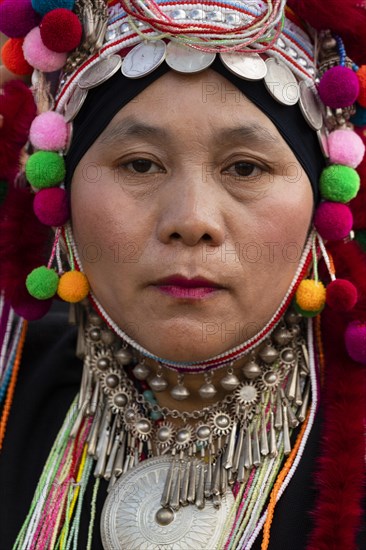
[[344, 17], [340, 474]]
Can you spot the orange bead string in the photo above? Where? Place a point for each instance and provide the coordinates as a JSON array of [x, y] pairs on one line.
[[279, 481], [320, 348], [11, 389]]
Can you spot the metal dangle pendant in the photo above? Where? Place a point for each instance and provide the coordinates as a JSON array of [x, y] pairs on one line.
[[207, 390], [158, 382], [281, 83], [310, 105], [75, 103], [133, 516], [249, 66], [100, 72], [143, 59], [180, 392], [230, 382], [184, 59]]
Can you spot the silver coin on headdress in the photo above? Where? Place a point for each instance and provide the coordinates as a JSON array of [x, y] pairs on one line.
[[100, 72], [143, 59], [249, 66], [280, 82], [133, 517], [75, 103], [310, 105], [323, 140], [184, 59]]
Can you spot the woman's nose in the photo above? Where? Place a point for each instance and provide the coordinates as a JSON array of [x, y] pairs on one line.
[[191, 212]]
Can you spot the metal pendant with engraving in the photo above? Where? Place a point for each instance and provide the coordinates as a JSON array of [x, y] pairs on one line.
[[75, 103], [323, 140], [281, 83], [184, 59], [310, 106], [248, 66], [143, 59], [133, 517], [100, 72]]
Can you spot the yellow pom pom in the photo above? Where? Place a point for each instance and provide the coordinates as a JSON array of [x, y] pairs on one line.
[[73, 286], [310, 296]]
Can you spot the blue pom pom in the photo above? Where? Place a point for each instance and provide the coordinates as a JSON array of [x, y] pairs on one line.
[[359, 118], [44, 6]]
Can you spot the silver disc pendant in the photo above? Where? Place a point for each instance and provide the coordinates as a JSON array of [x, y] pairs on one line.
[[143, 59], [75, 103], [310, 106], [281, 83], [187, 60], [323, 141], [100, 72], [132, 516], [248, 66]]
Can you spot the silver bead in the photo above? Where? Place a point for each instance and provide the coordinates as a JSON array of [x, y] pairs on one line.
[[216, 16], [179, 392], [108, 337], [143, 428], [287, 355], [123, 356], [251, 370], [178, 14], [292, 52], [164, 434], [282, 336], [280, 43], [95, 334], [207, 390], [292, 318], [233, 19], [302, 61], [270, 378], [164, 516], [158, 383], [141, 371], [95, 319], [268, 354], [120, 399], [125, 27], [230, 382], [203, 432], [112, 381], [197, 14], [103, 363], [111, 34]]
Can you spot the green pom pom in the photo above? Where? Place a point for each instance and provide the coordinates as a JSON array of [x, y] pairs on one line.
[[45, 169], [3, 190], [305, 313], [42, 283], [339, 183]]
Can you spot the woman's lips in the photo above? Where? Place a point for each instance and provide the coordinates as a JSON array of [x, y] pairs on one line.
[[182, 287]]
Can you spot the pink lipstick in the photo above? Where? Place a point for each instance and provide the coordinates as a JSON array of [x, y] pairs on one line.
[[181, 287]]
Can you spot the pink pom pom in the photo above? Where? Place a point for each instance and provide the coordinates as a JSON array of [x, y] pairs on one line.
[[28, 307], [345, 147], [355, 339], [51, 206], [333, 220], [49, 131], [40, 57], [339, 87], [341, 295], [17, 18]]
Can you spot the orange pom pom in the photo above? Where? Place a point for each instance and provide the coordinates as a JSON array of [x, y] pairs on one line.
[[361, 74], [310, 296], [73, 286], [13, 57]]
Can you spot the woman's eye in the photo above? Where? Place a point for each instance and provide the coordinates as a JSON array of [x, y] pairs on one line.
[[142, 166], [243, 169]]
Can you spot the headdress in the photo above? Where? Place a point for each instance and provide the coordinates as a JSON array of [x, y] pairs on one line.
[[310, 63]]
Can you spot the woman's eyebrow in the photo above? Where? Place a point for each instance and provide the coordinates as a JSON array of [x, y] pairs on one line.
[[252, 132]]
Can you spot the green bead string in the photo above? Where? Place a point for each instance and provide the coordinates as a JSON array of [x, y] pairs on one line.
[[50, 469], [92, 515]]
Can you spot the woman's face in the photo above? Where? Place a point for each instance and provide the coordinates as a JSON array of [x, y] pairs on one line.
[[190, 181]]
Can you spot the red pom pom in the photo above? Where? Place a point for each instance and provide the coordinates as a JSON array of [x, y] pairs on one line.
[[51, 206], [17, 18], [61, 30], [28, 307], [341, 295], [339, 87], [355, 338], [361, 75], [333, 220], [13, 57]]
